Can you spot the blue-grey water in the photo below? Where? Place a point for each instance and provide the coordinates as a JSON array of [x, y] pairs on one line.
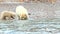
[[44, 19]]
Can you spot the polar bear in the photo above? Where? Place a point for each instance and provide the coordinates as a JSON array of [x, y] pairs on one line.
[[7, 15], [22, 13]]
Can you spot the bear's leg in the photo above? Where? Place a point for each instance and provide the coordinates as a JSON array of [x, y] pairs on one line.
[[4, 17], [12, 17], [18, 17]]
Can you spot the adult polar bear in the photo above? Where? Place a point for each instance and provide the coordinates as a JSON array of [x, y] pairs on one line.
[[22, 13]]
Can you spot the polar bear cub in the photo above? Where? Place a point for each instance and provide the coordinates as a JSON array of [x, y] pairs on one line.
[[5, 15], [22, 13]]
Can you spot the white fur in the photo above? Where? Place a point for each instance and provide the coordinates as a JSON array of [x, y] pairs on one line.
[[7, 13], [21, 10]]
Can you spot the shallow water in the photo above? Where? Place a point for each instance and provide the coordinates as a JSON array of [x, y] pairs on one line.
[[29, 26]]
